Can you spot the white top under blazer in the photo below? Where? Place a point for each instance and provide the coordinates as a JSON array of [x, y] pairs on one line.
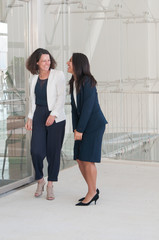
[[56, 92]]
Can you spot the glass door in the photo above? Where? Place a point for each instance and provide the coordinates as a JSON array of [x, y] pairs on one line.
[[15, 163]]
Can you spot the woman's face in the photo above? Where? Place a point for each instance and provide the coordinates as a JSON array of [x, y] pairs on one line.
[[44, 62], [70, 66]]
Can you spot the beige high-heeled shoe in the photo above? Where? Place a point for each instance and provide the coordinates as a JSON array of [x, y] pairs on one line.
[[40, 188], [50, 193]]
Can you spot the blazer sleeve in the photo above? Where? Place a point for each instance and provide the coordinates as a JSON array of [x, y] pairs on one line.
[[31, 98], [61, 93], [89, 97]]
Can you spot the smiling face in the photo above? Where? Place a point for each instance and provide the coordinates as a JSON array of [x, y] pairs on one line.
[[44, 62], [70, 66]]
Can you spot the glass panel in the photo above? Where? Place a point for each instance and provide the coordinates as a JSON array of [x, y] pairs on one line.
[[56, 40], [120, 39], [15, 161]]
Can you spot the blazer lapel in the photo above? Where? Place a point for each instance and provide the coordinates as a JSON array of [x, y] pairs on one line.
[[34, 81], [73, 101], [50, 78], [78, 100]]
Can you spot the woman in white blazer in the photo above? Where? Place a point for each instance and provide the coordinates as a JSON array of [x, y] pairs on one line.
[[46, 117]]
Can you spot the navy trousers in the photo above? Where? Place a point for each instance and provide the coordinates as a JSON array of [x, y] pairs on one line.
[[46, 142]]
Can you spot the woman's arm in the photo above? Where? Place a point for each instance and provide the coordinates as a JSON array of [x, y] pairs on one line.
[[50, 120], [28, 124], [77, 135], [60, 95], [32, 83], [87, 108]]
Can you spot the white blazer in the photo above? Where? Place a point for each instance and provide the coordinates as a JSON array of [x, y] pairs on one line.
[[56, 92]]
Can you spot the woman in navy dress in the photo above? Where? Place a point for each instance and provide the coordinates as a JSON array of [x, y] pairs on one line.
[[88, 123]]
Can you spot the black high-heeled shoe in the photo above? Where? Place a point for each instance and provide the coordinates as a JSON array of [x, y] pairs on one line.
[[94, 199], [81, 199]]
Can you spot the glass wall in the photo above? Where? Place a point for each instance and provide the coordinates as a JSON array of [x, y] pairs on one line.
[[121, 40], [15, 164]]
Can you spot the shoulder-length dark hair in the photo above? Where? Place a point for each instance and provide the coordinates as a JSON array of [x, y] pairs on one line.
[[81, 69], [31, 63]]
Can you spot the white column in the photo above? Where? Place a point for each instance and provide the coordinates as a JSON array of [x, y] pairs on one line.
[[3, 10], [94, 34], [36, 18]]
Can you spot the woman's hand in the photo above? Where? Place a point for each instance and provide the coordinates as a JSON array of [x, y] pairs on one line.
[[77, 135], [50, 120], [28, 124]]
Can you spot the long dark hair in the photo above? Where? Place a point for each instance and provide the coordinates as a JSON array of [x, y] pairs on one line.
[[31, 63], [81, 68]]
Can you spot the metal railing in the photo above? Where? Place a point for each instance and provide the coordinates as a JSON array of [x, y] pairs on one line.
[[133, 124], [133, 129]]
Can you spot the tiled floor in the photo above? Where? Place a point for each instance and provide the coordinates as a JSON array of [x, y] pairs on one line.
[[128, 207]]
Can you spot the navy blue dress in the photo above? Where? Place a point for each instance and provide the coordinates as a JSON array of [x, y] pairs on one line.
[[88, 119]]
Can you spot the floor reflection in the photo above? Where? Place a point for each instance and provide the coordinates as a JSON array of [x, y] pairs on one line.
[[136, 147]]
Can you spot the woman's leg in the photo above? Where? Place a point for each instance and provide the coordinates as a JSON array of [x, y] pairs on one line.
[[81, 167], [38, 153], [38, 150], [38, 147], [55, 136], [89, 173]]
